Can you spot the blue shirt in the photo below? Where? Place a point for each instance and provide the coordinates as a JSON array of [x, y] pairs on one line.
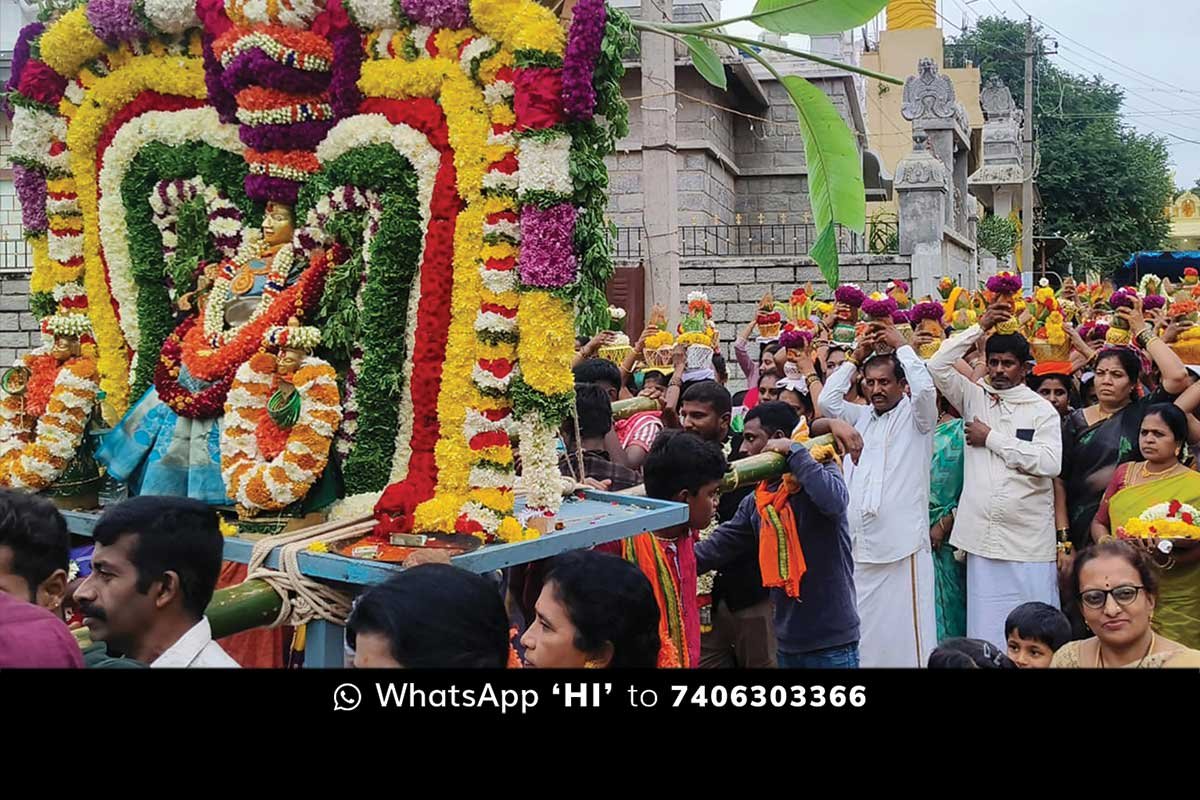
[[825, 614]]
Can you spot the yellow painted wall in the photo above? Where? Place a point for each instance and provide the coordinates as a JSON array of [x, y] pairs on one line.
[[890, 134]]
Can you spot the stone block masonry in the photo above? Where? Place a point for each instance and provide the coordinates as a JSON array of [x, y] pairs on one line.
[[19, 332]]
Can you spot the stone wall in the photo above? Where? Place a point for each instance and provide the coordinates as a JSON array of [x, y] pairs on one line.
[[735, 285], [19, 331]]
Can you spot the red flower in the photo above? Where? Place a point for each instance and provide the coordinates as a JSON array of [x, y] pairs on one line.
[[1173, 508], [489, 439], [537, 98], [500, 367], [1186, 517]]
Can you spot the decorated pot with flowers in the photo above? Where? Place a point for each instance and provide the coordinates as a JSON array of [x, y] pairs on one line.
[[795, 341], [900, 318], [801, 308], [1049, 342], [926, 317], [1118, 331], [619, 347], [1190, 286], [1005, 287], [658, 347], [848, 299], [945, 286], [1187, 343], [898, 291], [1170, 520], [879, 308], [959, 311], [769, 321], [697, 332]]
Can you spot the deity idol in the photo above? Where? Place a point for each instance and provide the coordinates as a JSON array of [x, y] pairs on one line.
[[169, 441]]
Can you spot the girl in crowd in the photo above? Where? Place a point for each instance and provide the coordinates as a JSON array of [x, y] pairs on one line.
[[430, 616], [1058, 389], [595, 610], [1117, 588], [1158, 480]]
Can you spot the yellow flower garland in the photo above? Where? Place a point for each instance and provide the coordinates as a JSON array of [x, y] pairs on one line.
[[42, 279], [545, 349], [107, 96], [521, 25], [70, 42]]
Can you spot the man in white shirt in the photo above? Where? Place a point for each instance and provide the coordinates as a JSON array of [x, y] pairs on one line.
[[153, 574], [1005, 518], [889, 498]]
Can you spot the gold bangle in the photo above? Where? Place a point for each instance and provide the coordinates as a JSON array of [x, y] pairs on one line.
[[850, 359]]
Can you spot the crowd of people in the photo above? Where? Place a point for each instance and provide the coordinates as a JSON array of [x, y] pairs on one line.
[[975, 512]]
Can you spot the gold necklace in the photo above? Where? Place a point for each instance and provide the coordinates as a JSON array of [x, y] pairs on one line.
[[1146, 473], [1100, 653]]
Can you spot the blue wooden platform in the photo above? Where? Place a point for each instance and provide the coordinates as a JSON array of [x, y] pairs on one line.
[[596, 518]]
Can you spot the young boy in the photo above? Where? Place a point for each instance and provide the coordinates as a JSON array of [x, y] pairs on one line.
[[1034, 631], [683, 468]]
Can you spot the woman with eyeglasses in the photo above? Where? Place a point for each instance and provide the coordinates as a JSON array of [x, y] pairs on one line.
[[1116, 587], [1150, 503]]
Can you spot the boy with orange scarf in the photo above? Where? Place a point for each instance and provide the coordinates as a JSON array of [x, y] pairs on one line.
[[798, 527]]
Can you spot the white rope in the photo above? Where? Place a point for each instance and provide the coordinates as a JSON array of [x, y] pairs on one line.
[[304, 599]]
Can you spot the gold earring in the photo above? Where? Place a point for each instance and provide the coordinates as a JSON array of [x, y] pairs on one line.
[[590, 664]]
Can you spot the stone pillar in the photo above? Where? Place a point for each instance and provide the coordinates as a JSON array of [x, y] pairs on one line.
[[923, 194], [930, 103], [659, 178]]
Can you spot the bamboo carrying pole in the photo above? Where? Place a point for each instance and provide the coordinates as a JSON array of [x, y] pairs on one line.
[[624, 409]]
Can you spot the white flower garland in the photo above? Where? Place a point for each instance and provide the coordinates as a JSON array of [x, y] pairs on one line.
[[402, 455], [506, 228], [1163, 511], [170, 128], [498, 92], [63, 246], [498, 281], [486, 380], [292, 13], [170, 16], [476, 49], [501, 181], [33, 132], [373, 14], [285, 477], [270, 46], [64, 206], [215, 329], [493, 322], [539, 464], [69, 325], [546, 165]]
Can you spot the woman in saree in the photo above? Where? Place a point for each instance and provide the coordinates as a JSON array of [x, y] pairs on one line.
[[945, 486], [1149, 503], [1099, 437]]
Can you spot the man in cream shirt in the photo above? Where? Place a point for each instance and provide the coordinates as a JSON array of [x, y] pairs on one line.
[[153, 573], [1005, 519], [889, 497]]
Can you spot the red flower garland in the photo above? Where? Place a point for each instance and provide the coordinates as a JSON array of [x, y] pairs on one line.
[[271, 438], [204, 404], [399, 500], [208, 364]]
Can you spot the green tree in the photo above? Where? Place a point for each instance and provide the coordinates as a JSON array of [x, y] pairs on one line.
[[1103, 185]]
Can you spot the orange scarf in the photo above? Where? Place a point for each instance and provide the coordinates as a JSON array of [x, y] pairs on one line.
[[779, 554], [646, 553]]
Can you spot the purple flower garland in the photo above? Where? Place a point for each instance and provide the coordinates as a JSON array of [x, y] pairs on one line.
[[347, 65], [437, 13], [583, 48], [31, 191], [287, 136], [256, 68], [115, 21], [547, 257]]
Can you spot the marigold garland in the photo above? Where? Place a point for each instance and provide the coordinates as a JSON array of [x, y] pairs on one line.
[[59, 431], [261, 485]]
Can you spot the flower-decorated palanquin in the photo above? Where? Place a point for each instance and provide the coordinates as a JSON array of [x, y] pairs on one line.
[[416, 185]]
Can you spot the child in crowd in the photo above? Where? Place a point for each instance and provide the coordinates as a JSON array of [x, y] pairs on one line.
[[1034, 631]]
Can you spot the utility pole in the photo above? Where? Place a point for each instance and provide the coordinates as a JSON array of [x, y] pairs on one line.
[[1027, 137]]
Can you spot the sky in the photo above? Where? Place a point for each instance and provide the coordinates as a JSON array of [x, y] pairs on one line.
[[1148, 47]]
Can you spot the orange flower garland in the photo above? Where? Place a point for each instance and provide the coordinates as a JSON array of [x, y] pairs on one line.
[[60, 429], [254, 482]]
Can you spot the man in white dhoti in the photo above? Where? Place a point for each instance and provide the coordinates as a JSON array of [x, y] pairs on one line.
[[889, 497], [1005, 519]]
